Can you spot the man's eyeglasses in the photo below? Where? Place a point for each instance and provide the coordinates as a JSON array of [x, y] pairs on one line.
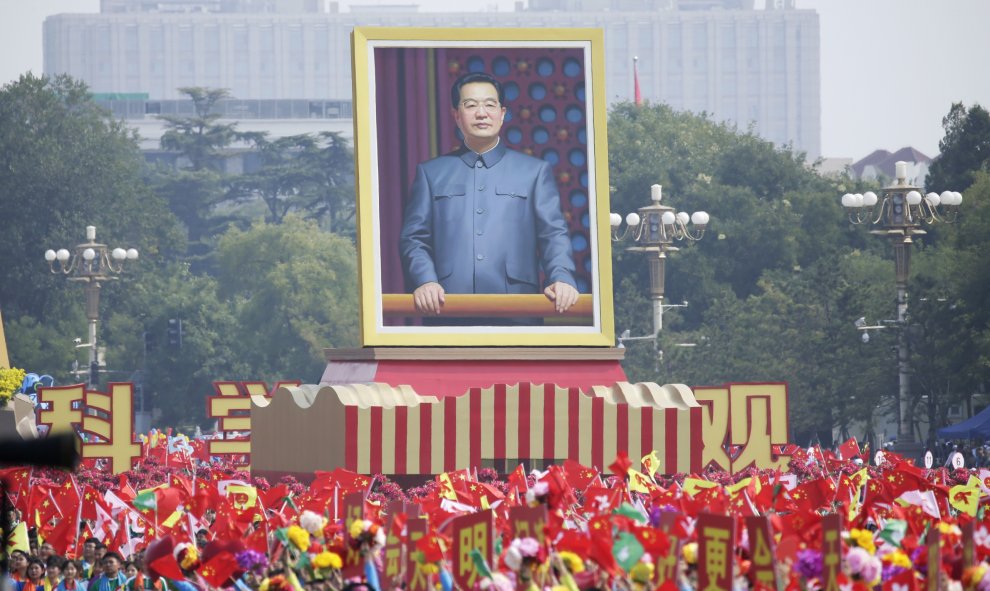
[[472, 105]]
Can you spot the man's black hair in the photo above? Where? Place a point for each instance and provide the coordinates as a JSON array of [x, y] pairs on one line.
[[112, 554], [455, 90], [56, 560]]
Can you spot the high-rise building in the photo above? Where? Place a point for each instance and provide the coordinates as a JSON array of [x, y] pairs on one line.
[[723, 57]]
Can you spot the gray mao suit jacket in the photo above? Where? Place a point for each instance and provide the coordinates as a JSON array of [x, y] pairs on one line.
[[485, 224]]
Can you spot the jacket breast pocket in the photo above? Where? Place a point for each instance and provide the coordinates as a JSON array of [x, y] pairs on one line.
[[448, 200], [514, 198]]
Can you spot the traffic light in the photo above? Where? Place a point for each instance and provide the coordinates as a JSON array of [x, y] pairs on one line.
[[175, 332], [94, 373]]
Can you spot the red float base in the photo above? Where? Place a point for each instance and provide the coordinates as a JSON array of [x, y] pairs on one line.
[[453, 371]]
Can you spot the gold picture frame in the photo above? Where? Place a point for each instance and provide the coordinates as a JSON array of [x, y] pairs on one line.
[[401, 114]]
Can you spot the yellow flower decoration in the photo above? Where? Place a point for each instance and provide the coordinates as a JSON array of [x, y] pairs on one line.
[[864, 539], [264, 585], [690, 552], [357, 528], [972, 576], [897, 558], [429, 569], [572, 561], [190, 558], [641, 573], [10, 381], [299, 537], [327, 559]]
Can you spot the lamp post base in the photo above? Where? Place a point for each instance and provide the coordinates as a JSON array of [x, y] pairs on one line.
[[911, 450]]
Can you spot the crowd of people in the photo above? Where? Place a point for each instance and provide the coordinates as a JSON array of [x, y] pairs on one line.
[[97, 569], [205, 528]]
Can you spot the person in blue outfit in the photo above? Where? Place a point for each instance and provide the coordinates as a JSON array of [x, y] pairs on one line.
[[484, 218]]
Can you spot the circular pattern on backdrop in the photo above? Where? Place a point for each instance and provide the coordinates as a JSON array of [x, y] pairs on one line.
[[537, 91], [574, 113], [579, 91], [572, 67], [541, 135], [583, 135], [578, 199], [475, 64], [584, 179], [545, 67], [585, 220], [511, 91], [548, 114], [501, 66], [551, 156], [514, 135], [577, 157], [579, 243]]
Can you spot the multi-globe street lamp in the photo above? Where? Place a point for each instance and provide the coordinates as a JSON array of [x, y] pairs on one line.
[[654, 228], [93, 264], [898, 213]]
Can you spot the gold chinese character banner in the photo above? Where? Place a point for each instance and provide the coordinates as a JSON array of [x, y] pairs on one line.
[[377, 428]]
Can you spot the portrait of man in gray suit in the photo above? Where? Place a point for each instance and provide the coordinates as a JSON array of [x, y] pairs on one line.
[[484, 218]]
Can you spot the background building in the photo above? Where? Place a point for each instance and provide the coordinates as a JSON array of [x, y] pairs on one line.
[[723, 57], [881, 164]]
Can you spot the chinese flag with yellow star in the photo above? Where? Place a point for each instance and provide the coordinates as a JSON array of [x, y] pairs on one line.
[[218, 569]]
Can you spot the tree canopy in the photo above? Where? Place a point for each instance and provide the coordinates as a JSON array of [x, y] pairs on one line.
[[963, 152]]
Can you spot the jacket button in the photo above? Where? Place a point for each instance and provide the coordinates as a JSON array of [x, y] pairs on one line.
[[481, 257]]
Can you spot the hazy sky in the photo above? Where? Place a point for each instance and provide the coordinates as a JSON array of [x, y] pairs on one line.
[[890, 69]]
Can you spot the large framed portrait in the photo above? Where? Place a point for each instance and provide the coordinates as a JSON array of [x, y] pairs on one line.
[[482, 181]]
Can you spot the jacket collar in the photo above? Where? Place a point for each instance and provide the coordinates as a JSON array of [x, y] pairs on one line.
[[490, 158]]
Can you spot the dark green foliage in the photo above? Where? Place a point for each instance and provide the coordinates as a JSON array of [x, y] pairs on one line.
[[964, 150]]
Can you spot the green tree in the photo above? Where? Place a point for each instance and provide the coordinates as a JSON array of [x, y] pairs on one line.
[[65, 164], [200, 138], [964, 150], [308, 174], [295, 291], [195, 184], [176, 378], [329, 194], [970, 276], [282, 177], [775, 285]]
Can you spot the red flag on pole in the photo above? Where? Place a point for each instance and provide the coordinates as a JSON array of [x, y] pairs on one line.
[[637, 95]]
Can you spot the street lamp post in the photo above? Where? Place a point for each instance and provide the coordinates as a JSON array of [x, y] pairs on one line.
[[91, 263], [898, 213], [654, 229]]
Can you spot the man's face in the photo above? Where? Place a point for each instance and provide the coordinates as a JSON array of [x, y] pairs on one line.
[[89, 550], [53, 571], [479, 115], [18, 561], [35, 571], [46, 550], [111, 566]]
